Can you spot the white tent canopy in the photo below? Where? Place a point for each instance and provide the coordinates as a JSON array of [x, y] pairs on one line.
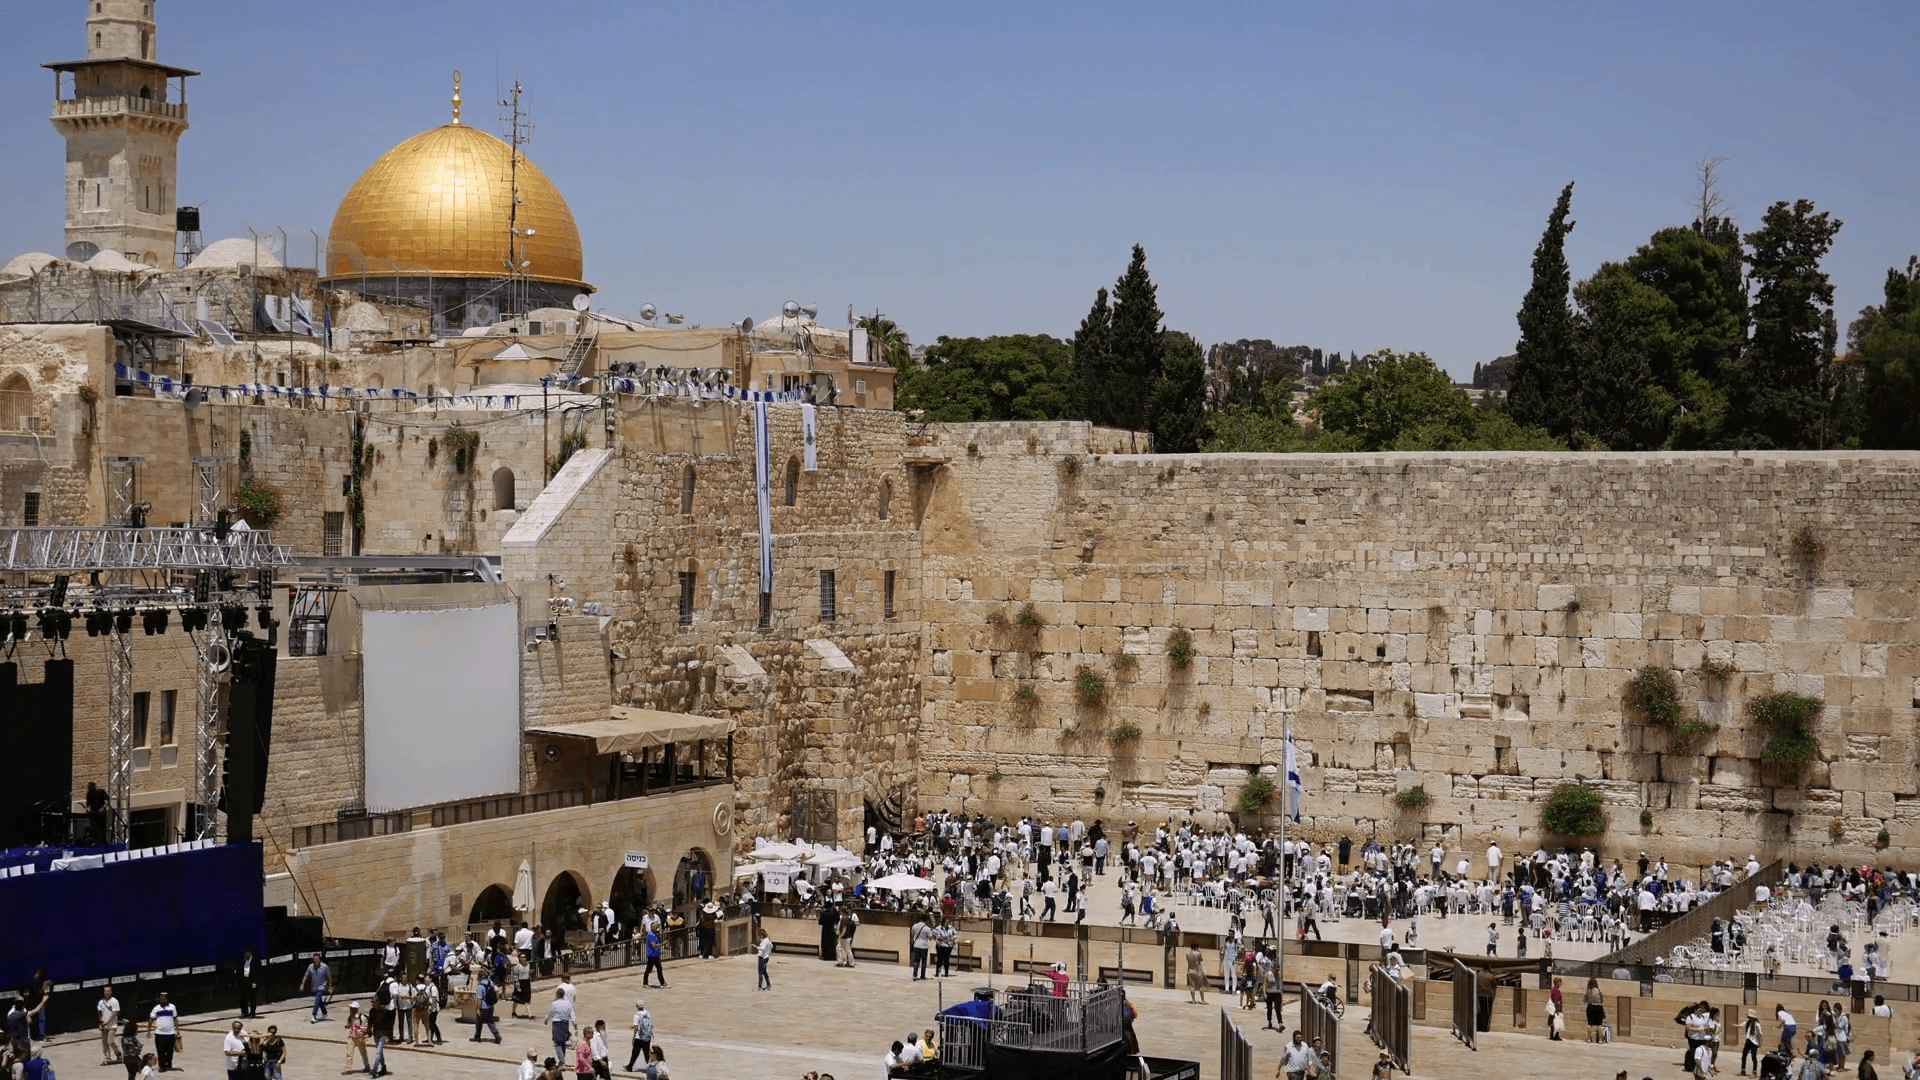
[[901, 883]]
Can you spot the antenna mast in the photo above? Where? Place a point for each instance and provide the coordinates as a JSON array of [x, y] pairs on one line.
[[519, 131]]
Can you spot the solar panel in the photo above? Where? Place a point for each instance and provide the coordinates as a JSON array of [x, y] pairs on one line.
[[218, 333]]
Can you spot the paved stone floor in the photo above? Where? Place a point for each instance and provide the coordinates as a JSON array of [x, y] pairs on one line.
[[714, 1025]]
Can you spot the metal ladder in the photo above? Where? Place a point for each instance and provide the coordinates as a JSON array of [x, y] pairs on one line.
[[581, 348]]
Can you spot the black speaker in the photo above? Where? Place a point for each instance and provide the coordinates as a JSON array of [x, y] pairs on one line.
[[243, 770]]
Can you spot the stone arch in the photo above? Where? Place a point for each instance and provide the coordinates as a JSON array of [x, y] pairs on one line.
[[566, 894], [494, 902], [693, 877], [793, 481], [503, 488], [886, 499], [16, 402], [632, 890], [687, 480], [376, 382]]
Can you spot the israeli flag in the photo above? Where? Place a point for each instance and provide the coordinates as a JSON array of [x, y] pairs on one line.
[[1293, 778]]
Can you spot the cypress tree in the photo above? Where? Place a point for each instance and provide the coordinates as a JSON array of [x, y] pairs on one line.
[[1179, 396], [1543, 389], [1780, 399], [1092, 364], [1135, 345]]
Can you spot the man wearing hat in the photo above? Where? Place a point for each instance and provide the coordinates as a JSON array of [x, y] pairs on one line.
[[530, 1068], [706, 929]]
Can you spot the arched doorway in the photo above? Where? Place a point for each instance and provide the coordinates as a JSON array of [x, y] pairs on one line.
[[503, 488], [566, 895], [693, 878], [494, 902], [632, 892], [16, 403]]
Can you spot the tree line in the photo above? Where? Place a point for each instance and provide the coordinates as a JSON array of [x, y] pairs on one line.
[[1704, 338]]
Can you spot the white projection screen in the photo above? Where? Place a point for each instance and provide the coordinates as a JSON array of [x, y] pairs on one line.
[[442, 693]]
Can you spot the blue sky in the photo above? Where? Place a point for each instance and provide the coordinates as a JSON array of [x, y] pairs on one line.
[[1351, 176]]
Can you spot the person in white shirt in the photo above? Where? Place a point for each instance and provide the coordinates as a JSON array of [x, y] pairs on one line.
[[765, 953], [234, 1045], [892, 1061], [912, 1054], [530, 1068], [597, 1050], [523, 940], [108, 1008], [1493, 862]]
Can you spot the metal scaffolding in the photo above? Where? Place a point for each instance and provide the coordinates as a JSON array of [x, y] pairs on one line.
[[122, 570]]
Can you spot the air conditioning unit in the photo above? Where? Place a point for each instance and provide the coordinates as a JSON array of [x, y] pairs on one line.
[[859, 388]]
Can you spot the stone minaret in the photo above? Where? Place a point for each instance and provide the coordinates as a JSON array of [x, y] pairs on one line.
[[122, 113]]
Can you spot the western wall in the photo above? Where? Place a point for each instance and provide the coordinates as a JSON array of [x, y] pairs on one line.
[[1464, 623]]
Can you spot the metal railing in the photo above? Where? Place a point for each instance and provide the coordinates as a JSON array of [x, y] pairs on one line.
[[1695, 923], [1318, 1021], [1236, 1051], [1391, 1024], [352, 828]]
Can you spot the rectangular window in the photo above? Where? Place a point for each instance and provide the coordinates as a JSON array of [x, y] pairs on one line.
[[141, 700], [169, 701], [766, 610], [686, 598], [887, 591], [826, 596], [333, 525], [30, 511]]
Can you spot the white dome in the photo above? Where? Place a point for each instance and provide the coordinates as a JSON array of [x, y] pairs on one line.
[[109, 259], [234, 251], [27, 265]]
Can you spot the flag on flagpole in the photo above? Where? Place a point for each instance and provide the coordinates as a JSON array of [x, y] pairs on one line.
[[1293, 778]]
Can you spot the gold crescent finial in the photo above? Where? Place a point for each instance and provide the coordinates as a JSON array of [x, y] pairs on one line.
[[456, 95]]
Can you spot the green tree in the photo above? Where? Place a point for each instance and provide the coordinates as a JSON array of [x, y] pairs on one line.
[[1092, 370], [1885, 341], [1622, 325], [1136, 345], [1544, 382], [1016, 377], [1178, 407], [1692, 357], [1242, 369], [1269, 427], [1782, 393], [888, 343], [1403, 401]]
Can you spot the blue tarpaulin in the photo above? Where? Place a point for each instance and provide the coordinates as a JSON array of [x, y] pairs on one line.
[[139, 916]]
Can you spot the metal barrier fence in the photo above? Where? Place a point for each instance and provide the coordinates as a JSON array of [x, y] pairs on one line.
[[1466, 1001], [1695, 923], [1236, 1053], [1391, 1024], [1317, 1021]]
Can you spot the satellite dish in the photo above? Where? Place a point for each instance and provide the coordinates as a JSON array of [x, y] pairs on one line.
[[580, 301], [646, 312], [745, 325], [790, 309], [810, 310]]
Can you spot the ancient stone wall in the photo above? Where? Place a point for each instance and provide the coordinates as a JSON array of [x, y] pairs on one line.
[[824, 705], [1465, 623]]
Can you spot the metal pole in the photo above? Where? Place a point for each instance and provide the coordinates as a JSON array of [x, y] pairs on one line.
[[120, 732], [214, 649], [1280, 895]]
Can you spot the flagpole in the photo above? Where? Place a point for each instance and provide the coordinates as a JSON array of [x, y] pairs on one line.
[[1286, 791]]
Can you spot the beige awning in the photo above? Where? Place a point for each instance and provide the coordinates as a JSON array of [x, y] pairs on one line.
[[629, 730]]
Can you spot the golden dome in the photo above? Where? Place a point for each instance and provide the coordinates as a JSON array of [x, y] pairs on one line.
[[441, 200]]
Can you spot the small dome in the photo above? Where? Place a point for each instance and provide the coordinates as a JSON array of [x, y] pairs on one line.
[[109, 259], [234, 251], [27, 265]]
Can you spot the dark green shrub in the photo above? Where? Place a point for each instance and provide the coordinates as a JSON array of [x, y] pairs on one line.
[[1573, 810], [1255, 796]]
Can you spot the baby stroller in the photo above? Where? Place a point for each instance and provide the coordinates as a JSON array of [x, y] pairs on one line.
[[1773, 1066]]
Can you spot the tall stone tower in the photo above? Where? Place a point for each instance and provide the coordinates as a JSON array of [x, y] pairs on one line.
[[122, 113]]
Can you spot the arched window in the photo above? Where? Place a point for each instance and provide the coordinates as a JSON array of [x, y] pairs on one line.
[[793, 481], [16, 403], [96, 39], [686, 490], [503, 488], [886, 499]]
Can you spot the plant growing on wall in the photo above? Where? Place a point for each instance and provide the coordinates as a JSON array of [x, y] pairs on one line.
[[1255, 795], [1028, 618], [1414, 798], [360, 466], [259, 503], [1687, 737], [1125, 664], [569, 445], [1655, 694], [1646, 819], [1089, 685], [246, 445], [1787, 716], [1807, 547], [1573, 810], [1721, 670], [1026, 695], [1180, 648], [466, 446], [1123, 733]]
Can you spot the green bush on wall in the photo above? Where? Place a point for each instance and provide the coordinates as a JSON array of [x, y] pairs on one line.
[[1788, 716], [1255, 796], [1573, 810], [1656, 694]]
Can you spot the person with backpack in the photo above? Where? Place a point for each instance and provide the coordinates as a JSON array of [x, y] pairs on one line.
[[357, 1038], [488, 996]]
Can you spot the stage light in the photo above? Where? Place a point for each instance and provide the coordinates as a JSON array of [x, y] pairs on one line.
[[93, 624], [233, 617], [265, 614], [64, 624], [123, 621]]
